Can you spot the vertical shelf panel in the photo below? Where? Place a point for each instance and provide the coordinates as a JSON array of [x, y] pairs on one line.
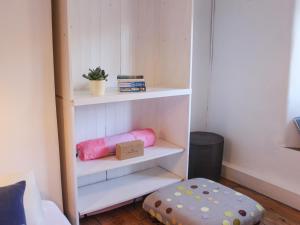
[[68, 161]]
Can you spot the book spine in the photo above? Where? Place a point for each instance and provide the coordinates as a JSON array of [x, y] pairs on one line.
[[132, 89], [132, 84], [130, 80], [130, 77]]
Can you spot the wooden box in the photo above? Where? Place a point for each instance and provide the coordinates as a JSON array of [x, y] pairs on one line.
[[129, 149]]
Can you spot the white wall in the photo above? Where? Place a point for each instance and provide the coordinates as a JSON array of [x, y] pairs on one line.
[[248, 99], [293, 110], [28, 135], [201, 63]]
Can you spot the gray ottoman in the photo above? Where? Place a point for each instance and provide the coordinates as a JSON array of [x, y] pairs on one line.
[[202, 202]]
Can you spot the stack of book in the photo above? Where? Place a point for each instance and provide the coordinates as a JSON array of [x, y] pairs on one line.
[[129, 83]]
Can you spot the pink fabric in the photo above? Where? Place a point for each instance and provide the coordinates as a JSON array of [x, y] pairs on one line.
[[101, 147], [146, 135]]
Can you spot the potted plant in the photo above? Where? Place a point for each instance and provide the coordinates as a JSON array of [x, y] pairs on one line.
[[97, 78]]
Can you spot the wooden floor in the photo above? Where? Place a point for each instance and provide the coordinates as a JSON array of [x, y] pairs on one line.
[[276, 213]]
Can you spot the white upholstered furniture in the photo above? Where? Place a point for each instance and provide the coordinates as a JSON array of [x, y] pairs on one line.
[[53, 216]]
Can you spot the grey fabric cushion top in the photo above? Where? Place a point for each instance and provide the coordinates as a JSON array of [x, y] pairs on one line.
[[202, 202]]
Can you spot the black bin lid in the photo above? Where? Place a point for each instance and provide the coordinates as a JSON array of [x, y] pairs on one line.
[[205, 138]]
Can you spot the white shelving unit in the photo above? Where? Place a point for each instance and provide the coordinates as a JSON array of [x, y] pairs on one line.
[[148, 37]]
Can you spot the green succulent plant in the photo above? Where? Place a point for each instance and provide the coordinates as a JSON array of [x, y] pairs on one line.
[[96, 74]]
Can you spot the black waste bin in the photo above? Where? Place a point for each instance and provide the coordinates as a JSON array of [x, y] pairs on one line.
[[206, 155]]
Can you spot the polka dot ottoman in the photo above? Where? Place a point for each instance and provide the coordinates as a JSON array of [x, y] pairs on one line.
[[202, 202]]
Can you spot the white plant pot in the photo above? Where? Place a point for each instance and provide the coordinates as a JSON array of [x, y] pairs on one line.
[[97, 87]]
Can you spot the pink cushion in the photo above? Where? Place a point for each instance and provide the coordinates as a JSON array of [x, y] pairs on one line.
[[101, 147], [146, 135]]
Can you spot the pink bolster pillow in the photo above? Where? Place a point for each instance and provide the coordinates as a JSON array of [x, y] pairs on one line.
[[101, 147]]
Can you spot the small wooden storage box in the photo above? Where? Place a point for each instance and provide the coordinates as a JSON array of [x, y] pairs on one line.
[[129, 149]]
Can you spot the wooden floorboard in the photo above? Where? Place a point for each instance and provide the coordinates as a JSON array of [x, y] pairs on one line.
[[276, 213]]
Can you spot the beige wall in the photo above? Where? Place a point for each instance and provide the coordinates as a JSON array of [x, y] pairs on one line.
[[28, 134]]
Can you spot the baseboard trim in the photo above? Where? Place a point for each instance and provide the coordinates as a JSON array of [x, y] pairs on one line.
[[260, 185]]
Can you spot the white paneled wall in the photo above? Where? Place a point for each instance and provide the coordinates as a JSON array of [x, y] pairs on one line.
[[110, 119], [102, 120], [139, 46], [110, 39], [94, 41], [130, 36], [139, 39]]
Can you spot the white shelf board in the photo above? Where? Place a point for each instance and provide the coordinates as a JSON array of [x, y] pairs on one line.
[[82, 98], [106, 194], [161, 149]]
